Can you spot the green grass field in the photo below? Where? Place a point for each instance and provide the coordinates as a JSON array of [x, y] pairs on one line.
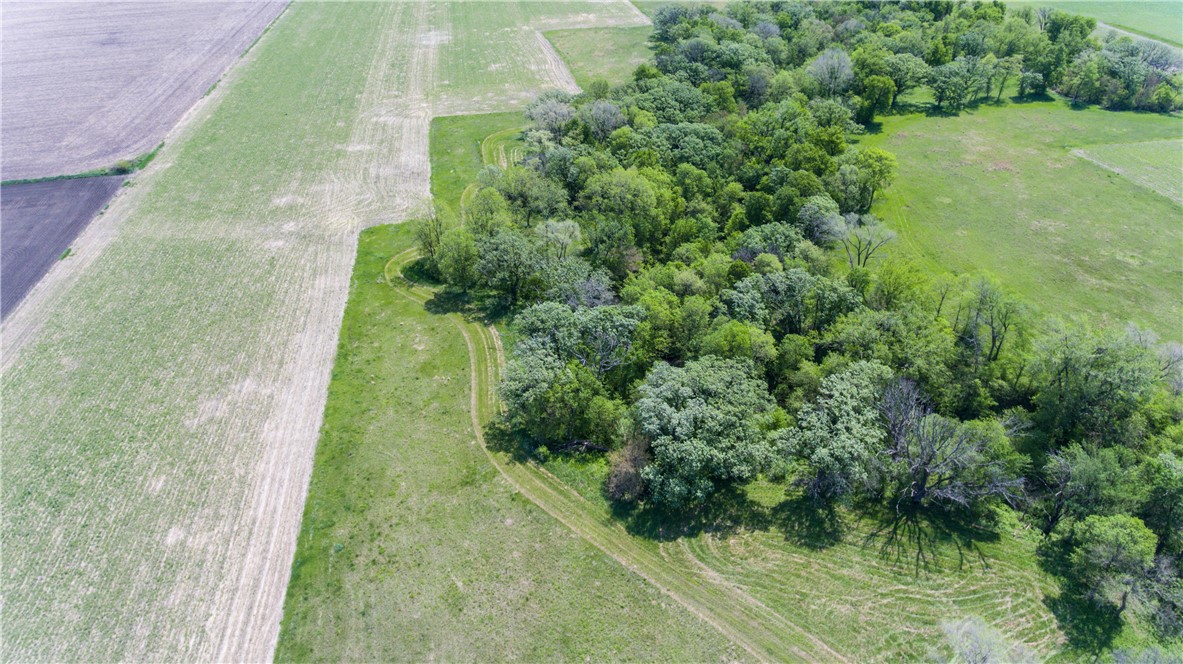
[[999, 190], [458, 147], [608, 53], [414, 548], [1157, 19], [1156, 165]]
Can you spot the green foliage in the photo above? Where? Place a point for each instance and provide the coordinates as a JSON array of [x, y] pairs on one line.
[[839, 436], [457, 258], [1112, 553], [706, 424]]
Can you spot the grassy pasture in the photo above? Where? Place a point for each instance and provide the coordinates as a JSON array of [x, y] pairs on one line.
[[1157, 165], [414, 547], [999, 190], [608, 53], [872, 586], [1156, 19], [458, 144]]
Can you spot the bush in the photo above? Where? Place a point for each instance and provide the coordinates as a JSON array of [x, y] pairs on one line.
[[624, 482]]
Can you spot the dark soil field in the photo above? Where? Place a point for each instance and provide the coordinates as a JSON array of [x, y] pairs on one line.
[[39, 221], [88, 84]]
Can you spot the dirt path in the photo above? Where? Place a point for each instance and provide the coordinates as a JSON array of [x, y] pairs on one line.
[[760, 631]]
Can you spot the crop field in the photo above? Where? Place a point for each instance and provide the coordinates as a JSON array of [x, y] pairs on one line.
[[1153, 164], [414, 547], [999, 190], [608, 53], [89, 83], [41, 219], [164, 386], [1156, 19]]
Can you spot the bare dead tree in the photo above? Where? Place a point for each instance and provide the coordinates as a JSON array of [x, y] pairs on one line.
[[864, 237], [940, 460]]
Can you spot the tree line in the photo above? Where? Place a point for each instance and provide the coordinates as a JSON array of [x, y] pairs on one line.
[[699, 291]]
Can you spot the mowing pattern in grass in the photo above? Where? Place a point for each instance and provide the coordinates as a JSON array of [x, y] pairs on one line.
[[1157, 165], [462, 144], [998, 190], [608, 53], [414, 548]]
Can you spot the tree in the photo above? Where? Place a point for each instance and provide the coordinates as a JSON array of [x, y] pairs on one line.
[[1077, 482], [1112, 555], [820, 220], [457, 258], [939, 459], [877, 93], [602, 117], [707, 428], [839, 435], [507, 263], [1090, 381], [429, 230], [972, 641], [487, 213], [1163, 509], [833, 71], [906, 71], [865, 235], [1008, 68], [1031, 82], [550, 114]]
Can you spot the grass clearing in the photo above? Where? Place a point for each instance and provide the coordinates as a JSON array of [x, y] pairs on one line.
[[458, 144], [608, 53], [1156, 19], [998, 190], [414, 547], [1157, 165]]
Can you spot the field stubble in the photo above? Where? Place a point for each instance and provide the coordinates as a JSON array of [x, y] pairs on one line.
[[163, 389], [89, 83]]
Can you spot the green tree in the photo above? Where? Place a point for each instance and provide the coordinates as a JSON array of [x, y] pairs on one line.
[[508, 264], [1163, 509], [839, 436], [1112, 555], [707, 428], [457, 258]]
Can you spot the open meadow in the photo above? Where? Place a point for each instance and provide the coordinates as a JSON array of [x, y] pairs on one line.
[[608, 53], [1003, 190], [165, 386], [1157, 19], [89, 83]]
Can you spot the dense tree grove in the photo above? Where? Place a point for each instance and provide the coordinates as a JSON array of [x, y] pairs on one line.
[[699, 290]]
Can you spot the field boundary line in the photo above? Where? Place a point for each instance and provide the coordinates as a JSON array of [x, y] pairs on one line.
[[1083, 154], [25, 321]]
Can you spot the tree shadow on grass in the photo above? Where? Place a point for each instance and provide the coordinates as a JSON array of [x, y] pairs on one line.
[[725, 513], [925, 538], [809, 524], [500, 437], [1089, 627]]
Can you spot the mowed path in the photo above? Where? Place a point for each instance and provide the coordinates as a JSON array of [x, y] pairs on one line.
[[164, 388]]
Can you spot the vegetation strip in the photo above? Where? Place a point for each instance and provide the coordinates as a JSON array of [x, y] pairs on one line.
[[765, 634]]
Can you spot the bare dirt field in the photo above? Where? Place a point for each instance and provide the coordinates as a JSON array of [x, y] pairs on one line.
[[164, 390], [89, 83], [41, 219]]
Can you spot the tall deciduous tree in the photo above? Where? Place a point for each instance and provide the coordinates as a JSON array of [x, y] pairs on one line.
[[706, 424]]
